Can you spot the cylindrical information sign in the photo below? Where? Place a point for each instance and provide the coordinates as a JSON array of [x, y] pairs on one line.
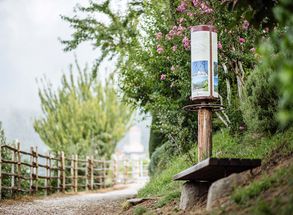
[[204, 62]]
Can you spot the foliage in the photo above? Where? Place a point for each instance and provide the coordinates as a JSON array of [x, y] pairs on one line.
[[156, 137], [2, 135], [162, 183], [139, 210], [154, 60], [242, 195], [225, 146], [83, 117], [261, 101], [278, 56]]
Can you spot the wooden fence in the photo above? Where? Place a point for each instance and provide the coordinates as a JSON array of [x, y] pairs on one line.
[[32, 172]]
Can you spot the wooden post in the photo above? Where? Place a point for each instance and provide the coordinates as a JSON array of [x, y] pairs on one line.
[[76, 173], [72, 172], [92, 173], [50, 172], [204, 133], [58, 166], [18, 168], [37, 169], [62, 168], [32, 171], [87, 173], [47, 176], [104, 173], [13, 158]]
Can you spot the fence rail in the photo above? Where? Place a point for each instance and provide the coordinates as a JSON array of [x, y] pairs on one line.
[[33, 172]]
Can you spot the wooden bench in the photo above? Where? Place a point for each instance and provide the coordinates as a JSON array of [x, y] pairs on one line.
[[212, 169]]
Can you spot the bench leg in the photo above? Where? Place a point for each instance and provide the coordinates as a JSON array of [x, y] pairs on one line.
[[192, 193]]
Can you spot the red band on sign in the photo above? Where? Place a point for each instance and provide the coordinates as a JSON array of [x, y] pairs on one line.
[[204, 28]]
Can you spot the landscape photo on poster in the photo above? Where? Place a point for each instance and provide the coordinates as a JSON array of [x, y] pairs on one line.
[[199, 77]]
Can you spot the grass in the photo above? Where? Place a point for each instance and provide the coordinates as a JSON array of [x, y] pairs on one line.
[[252, 196], [248, 146], [167, 199], [243, 194], [225, 146], [163, 183], [139, 210]]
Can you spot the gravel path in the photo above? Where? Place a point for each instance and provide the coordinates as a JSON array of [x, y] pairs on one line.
[[79, 204]]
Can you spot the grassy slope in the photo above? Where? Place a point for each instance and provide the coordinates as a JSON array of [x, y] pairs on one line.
[[246, 146]]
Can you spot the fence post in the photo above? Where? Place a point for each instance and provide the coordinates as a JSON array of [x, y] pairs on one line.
[[86, 173], [58, 166], [13, 158], [18, 168], [47, 175], [104, 173], [76, 173], [50, 172], [37, 169], [72, 173], [92, 173], [62, 168], [32, 170]]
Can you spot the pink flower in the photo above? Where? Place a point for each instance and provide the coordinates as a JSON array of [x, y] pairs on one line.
[[245, 25], [186, 43], [182, 7], [252, 49], [180, 29], [159, 35], [189, 14], [181, 20], [241, 40], [220, 45], [203, 6], [160, 49], [196, 3], [163, 77], [173, 68], [174, 48]]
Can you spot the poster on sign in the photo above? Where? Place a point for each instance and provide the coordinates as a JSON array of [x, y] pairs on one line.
[[204, 62]]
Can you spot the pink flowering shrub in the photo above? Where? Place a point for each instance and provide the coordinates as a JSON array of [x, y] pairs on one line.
[[159, 72]]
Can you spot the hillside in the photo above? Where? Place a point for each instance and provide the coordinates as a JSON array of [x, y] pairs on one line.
[[267, 189]]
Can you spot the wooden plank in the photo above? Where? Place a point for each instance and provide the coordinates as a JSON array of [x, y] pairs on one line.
[[213, 169]]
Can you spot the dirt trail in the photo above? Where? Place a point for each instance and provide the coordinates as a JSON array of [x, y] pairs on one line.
[[83, 203]]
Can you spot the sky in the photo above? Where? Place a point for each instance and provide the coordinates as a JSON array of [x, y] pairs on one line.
[[29, 48]]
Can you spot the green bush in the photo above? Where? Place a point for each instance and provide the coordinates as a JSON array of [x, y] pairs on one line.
[[260, 103], [159, 159]]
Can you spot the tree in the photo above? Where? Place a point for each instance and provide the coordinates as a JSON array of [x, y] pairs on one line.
[[82, 116]]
